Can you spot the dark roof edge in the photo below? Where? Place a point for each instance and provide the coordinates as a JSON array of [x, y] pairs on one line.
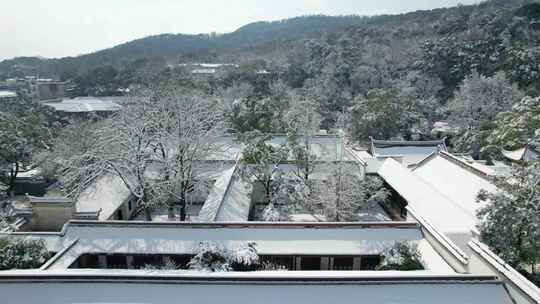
[[424, 161], [242, 278], [410, 143], [261, 225]]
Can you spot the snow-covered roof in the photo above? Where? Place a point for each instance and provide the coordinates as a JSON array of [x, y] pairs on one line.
[[105, 196], [49, 200], [204, 71], [456, 180], [283, 238], [32, 173], [493, 168], [226, 148], [116, 286], [236, 203], [324, 147], [523, 154], [450, 218], [7, 94], [85, 104], [412, 152], [216, 196]]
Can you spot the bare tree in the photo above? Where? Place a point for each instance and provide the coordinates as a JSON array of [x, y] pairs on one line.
[[303, 123], [127, 148], [190, 125], [344, 193], [73, 156], [155, 145]]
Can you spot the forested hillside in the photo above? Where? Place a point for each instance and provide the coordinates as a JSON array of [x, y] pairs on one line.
[[383, 76]]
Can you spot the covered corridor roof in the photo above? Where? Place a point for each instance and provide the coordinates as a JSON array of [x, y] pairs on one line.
[[275, 287]]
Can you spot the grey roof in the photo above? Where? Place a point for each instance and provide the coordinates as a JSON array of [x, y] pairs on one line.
[[325, 147], [49, 200], [283, 238], [85, 104], [90, 286], [412, 152]]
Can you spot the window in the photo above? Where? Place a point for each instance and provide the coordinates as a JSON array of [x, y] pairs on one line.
[[369, 262], [310, 263], [140, 261], [86, 261], [343, 263], [116, 261]]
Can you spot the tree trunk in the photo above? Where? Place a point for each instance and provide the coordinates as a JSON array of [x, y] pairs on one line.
[[170, 211], [267, 190], [12, 179], [183, 211], [148, 214], [147, 209], [183, 207]]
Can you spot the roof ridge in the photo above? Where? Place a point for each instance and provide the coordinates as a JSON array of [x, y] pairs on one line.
[[409, 142], [463, 164]]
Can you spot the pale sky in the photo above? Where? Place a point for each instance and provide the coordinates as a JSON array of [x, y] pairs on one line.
[[57, 28]]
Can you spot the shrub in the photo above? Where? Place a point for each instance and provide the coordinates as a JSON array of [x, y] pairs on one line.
[[245, 257], [402, 256], [168, 264], [22, 254], [269, 266], [213, 257], [210, 257]]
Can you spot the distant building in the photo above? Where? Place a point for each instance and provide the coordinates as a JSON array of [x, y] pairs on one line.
[[47, 89], [7, 95], [206, 68], [409, 153], [527, 153], [39, 89], [82, 106]]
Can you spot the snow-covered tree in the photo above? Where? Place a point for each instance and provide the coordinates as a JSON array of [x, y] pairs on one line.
[[517, 127], [26, 127], [476, 104], [261, 160], [291, 193], [510, 221], [127, 148], [167, 264], [402, 256], [479, 99], [303, 122], [214, 257], [22, 254], [271, 213], [210, 256], [154, 145], [341, 197], [190, 125], [377, 115], [73, 157], [245, 257]]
